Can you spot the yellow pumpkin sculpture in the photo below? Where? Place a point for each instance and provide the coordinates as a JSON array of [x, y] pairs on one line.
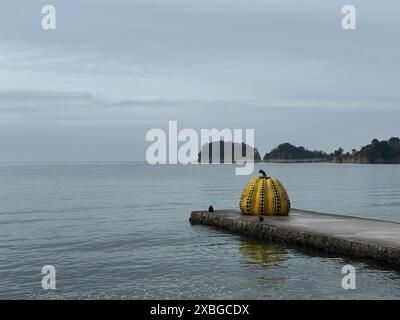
[[264, 196]]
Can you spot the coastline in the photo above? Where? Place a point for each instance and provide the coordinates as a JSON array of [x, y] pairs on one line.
[[324, 161]]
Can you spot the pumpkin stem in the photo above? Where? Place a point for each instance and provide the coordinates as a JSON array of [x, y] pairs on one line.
[[263, 173]]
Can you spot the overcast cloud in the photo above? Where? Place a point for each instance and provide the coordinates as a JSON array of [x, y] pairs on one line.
[[112, 70]]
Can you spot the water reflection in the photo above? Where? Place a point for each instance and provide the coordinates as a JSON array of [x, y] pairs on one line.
[[264, 254]]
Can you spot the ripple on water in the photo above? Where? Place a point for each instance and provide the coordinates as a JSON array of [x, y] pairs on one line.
[[121, 231]]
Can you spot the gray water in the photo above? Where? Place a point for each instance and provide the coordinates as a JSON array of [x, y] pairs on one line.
[[121, 231]]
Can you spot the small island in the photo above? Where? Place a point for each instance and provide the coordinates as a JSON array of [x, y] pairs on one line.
[[287, 152], [226, 144], [377, 152]]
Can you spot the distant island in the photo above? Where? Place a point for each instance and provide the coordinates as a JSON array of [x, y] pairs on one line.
[[222, 145], [385, 152], [287, 152]]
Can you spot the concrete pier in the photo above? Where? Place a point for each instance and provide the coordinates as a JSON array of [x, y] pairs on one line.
[[359, 237]]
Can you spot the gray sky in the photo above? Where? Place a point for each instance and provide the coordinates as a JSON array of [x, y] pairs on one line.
[[112, 70]]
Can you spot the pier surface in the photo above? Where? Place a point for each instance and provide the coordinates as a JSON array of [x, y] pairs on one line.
[[366, 238]]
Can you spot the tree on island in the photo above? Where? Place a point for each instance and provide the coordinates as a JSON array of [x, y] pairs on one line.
[[380, 152], [337, 155], [287, 151]]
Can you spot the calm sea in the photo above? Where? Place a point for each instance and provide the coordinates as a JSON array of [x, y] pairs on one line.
[[121, 231]]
